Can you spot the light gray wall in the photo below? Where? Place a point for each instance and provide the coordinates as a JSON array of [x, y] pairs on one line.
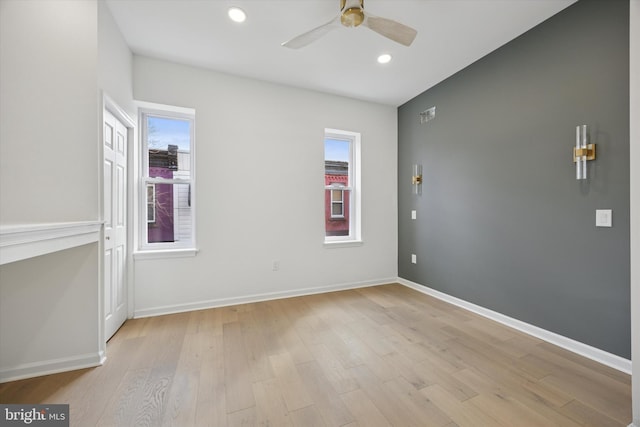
[[260, 191], [49, 313], [114, 62], [49, 132], [48, 150], [57, 58], [502, 221]]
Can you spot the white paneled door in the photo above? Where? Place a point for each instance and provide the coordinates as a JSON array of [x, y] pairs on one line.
[[115, 223]]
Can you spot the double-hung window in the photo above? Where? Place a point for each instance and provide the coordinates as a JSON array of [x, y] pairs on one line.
[[167, 179], [342, 186], [337, 203]]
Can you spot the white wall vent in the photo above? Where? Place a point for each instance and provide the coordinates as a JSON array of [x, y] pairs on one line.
[[427, 115]]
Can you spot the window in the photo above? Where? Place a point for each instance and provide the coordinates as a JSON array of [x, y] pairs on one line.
[[342, 186], [337, 203], [167, 179], [151, 203]]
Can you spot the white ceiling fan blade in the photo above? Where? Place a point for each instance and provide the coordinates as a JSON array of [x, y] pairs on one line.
[[391, 29], [310, 36]]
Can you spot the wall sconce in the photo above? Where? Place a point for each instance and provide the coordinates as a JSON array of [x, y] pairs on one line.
[[583, 152], [416, 179]]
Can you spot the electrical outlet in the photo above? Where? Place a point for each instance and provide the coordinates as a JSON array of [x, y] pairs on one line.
[[414, 214], [276, 266], [414, 259]]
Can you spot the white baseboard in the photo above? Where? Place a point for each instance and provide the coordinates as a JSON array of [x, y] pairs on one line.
[[582, 349], [53, 366], [223, 302]]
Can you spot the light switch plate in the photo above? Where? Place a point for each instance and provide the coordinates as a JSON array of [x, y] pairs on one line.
[[414, 259], [603, 217], [413, 214]]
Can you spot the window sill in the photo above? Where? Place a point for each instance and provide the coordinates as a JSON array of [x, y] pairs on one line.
[[165, 253], [342, 244]]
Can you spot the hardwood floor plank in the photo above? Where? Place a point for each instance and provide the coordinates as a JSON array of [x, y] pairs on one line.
[[255, 347], [547, 393], [340, 378], [123, 405], [419, 405], [381, 298], [211, 407], [462, 413], [183, 395], [293, 389], [295, 346], [544, 349], [399, 365], [367, 357], [342, 350], [599, 391], [325, 399], [242, 418], [361, 353], [607, 400], [363, 409], [271, 409], [96, 387], [371, 310], [518, 346], [370, 335], [272, 321], [587, 416], [391, 406], [508, 389], [308, 416], [237, 373], [508, 411], [460, 389], [152, 404], [182, 398]]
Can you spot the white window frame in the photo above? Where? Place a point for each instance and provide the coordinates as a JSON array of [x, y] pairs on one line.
[[341, 189], [354, 188], [151, 203], [163, 249]]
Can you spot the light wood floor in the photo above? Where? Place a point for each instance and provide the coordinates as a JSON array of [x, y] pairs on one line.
[[377, 356]]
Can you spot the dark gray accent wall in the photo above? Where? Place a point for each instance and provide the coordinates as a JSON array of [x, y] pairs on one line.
[[502, 221]]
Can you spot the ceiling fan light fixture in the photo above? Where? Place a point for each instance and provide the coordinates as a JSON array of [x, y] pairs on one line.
[[236, 14], [352, 17], [352, 14], [385, 58]]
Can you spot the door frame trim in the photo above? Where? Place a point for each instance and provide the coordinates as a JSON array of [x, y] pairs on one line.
[[119, 113]]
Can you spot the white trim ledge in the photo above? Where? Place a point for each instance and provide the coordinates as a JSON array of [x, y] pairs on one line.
[[53, 366], [600, 356], [19, 242], [165, 253], [333, 244], [223, 302]]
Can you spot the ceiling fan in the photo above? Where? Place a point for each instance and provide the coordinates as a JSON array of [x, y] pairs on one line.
[[352, 14]]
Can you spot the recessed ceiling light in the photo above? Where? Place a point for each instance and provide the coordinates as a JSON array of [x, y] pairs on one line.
[[384, 58], [236, 14]]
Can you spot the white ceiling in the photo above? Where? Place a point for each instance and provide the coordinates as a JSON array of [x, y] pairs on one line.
[[451, 35]]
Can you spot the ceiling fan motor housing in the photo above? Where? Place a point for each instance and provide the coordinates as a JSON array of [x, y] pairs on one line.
[[353, 15]]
